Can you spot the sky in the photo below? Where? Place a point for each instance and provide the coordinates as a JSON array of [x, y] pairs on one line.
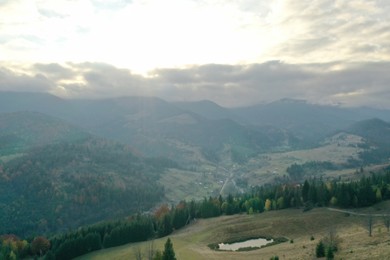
[[233, 52]]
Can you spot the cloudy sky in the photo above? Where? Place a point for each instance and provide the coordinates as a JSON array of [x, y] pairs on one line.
[[234, 52]]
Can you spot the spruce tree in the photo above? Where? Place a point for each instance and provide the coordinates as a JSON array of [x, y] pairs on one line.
[[305, 191], [320, 249], [169, 253], [329, 253]]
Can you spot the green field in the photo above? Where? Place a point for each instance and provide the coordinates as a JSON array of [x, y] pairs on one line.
[[337, 149], [191, 242]]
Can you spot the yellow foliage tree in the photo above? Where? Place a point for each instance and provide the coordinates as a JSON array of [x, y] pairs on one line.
[[267, 205]]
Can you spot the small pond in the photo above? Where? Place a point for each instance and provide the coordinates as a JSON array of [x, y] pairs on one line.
[[256, 243]]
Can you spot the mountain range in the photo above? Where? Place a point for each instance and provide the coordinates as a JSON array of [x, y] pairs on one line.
[[155, 127]]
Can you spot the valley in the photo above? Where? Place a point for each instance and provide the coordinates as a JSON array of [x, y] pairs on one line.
[[265, 168]]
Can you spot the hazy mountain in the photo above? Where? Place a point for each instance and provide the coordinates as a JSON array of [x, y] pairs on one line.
[[156, 127], [374, 130], [96, 113], [26, 101], [376, 134], [22, 130], [309, 122], [159, 128], [209, 110], [369, 113]]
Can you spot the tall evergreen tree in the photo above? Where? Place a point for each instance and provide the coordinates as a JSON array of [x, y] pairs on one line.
[[169, 253], [320, 249], [305, 191]]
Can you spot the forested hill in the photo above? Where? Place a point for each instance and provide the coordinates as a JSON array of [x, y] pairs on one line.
[[376, 134], [56, 187], [22, 130], [374, 130]]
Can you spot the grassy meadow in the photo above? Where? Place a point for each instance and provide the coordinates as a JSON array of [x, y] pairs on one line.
[[299, 227]]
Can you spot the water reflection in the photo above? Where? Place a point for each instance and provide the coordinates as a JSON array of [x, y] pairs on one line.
[[259, 242]]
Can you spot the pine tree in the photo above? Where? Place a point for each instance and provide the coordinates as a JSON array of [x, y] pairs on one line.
[[169, 253], [305, 191], [329, 253], [320, 249]]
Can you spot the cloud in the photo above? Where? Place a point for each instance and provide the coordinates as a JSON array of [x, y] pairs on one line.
[[235, 52], [326, 31], [11, 81], [142, 35], [347, 84]]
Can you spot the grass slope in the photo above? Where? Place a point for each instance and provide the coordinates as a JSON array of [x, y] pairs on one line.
[[191, 242]]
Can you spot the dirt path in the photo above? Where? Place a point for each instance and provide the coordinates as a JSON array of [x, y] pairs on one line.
[[358, 214]]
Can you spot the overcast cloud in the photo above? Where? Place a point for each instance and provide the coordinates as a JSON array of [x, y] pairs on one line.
[[235, 52], [356, 84]]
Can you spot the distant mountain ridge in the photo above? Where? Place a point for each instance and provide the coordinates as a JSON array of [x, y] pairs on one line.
[[307, 121], [154, 126], [209, 110]]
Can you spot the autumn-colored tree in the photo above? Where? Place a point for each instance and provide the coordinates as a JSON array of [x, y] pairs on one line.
[[267, 205], [161, 211], [40, 245]]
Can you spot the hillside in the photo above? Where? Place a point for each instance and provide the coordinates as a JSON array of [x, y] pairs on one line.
[[192, 242], [56, 187], [20, 131], [376, 135], [309, 122], [374, 130]]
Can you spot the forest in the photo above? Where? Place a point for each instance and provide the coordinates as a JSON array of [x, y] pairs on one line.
[[58, 187]]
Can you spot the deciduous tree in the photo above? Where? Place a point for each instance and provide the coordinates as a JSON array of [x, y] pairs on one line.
[[40, 245]]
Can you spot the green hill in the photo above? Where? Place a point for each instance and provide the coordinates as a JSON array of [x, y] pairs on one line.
[[376, 134]]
